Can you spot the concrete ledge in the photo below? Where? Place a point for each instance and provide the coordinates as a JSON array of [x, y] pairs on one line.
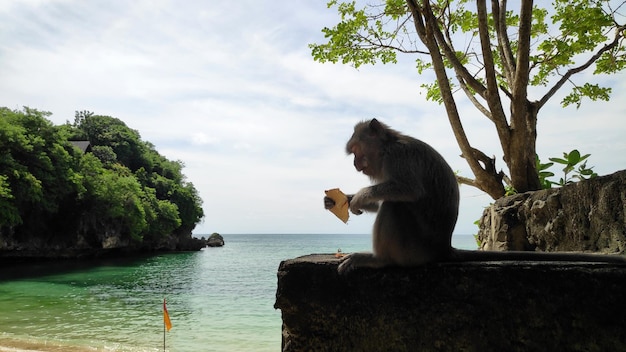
[[495, 306]]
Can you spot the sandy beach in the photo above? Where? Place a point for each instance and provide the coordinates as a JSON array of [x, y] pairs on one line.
[[12, 345]]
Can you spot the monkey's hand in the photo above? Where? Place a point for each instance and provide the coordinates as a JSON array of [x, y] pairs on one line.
[[329, 202], [362, 201], [337, 202]]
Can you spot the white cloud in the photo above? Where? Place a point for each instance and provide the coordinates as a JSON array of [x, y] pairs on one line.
[[230, 89]]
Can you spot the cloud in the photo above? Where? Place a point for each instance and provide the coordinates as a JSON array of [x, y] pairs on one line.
[[230, 89]]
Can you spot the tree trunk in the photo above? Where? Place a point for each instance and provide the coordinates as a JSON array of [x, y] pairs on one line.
[[521, 155]]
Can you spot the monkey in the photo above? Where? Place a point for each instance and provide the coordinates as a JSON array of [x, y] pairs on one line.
[[416, 196]]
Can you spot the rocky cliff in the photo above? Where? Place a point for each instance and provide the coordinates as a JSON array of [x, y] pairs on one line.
[[104, 240], [588, 216]]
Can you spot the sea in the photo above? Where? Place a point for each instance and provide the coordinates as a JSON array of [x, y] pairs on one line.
[[218, 299]]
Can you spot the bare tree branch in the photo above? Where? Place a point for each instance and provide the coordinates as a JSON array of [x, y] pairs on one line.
[[445, 43], [492, 93], [466, 181], [382, 45], [522, 66], [504, 45], [489, 164], [506, 92], [470, 95]]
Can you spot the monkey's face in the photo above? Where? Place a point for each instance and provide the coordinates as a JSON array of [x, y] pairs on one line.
[[366, 159], [366, 145], [360, 159]]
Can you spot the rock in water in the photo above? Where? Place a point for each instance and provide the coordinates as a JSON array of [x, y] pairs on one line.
[[215, 240]]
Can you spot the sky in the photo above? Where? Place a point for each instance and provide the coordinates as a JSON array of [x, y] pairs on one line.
[[230, 89]]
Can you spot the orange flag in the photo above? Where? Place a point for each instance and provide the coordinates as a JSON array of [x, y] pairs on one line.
[[166, 317]]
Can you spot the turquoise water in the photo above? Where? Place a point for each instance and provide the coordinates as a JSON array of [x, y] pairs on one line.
[[219, 299]]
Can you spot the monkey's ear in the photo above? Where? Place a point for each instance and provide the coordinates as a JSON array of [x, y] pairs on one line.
[[375, 125], [377, 128]]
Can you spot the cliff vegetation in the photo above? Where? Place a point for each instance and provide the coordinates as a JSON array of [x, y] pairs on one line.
[[88, 186]]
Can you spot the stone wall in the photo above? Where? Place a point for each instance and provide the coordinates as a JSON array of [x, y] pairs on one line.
[[587, 216], [516, 306]]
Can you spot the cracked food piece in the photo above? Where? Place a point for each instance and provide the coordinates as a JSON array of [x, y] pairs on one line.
[[341, 204]]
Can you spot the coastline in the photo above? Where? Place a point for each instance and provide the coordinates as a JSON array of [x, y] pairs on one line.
[[17, 345]]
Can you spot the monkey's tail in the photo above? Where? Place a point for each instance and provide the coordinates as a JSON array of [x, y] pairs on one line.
[[461, 255]]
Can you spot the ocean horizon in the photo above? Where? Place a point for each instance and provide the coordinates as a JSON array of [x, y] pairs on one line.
[[218, 299]]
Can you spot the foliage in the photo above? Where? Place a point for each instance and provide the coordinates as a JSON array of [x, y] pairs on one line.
[[490, 55], [570, 161], [122, 183], [478, 241], [113, 196], [36, 165], [544, 173]]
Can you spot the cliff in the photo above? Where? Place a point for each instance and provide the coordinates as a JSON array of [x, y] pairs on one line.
[[587, 216], [86, 243], [515, 306]]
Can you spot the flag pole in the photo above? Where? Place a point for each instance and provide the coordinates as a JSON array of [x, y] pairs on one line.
[[167, 323], [163, 335], [164, 324]]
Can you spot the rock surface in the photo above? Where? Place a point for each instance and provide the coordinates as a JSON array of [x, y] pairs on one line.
[[515, 306], [107, 243], [215, 240], [587, 216]]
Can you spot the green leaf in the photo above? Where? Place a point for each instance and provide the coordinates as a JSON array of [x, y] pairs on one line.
[[584, 157], [591, 91], [433, 93], [559, 161], [541, 167], [573, 157], [586, 172]]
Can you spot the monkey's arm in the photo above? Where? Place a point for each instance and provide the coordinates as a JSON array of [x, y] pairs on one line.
[[329, 203], [369, 197]]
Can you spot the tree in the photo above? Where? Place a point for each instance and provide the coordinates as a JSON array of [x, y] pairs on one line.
[[107, 131], [112, 196], [35, 169], [492, 55]]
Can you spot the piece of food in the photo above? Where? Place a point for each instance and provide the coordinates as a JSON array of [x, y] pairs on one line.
[[340, 209]]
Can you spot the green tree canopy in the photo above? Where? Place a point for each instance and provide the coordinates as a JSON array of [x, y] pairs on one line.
[[36, 164], [51, 190]]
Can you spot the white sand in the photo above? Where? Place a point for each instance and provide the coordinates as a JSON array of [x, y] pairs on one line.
[[12, 345]]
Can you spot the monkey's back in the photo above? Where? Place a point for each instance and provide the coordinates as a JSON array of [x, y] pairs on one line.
[[423, 172]]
